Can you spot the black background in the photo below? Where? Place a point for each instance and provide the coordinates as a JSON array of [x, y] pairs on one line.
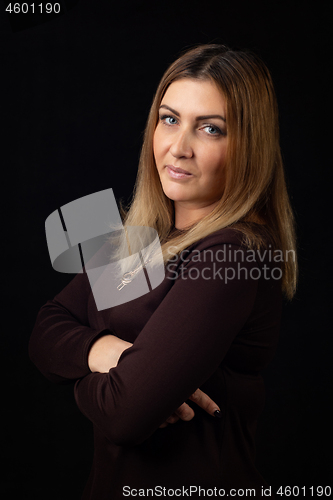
[[75, 92]]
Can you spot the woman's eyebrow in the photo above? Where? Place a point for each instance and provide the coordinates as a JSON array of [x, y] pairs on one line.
[[205, 117]]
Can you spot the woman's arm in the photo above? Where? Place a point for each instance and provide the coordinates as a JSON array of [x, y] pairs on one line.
[[179, 348], [104, 355], [61, 338], [64, 347]]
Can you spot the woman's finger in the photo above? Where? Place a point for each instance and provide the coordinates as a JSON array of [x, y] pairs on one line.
[[172, 419], [203, 400], [185, 412]]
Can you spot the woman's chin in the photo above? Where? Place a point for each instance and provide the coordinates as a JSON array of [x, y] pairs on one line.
[[176, 194]]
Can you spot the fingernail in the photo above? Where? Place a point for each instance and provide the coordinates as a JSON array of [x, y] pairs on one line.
[[217, 414]]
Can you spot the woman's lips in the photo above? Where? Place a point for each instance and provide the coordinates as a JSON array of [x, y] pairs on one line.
[[177, 173]]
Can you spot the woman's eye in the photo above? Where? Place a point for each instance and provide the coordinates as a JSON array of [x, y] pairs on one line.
[[210, 129], [169, 120], [213, 130]]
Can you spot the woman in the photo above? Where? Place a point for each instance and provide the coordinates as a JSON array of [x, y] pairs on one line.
[[211, 182]]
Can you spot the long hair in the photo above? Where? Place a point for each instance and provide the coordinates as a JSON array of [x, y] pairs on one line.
[[255, 188]]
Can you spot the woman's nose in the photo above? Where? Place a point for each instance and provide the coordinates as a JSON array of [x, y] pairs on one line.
[[182, 145]]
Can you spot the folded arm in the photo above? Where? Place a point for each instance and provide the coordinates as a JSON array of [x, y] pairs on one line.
[[61, 338], [179, 348]]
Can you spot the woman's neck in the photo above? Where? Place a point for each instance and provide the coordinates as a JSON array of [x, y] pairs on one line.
[[186, 215]]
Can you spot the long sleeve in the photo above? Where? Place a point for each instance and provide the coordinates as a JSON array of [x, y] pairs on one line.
[[61, 338], [179, 348]]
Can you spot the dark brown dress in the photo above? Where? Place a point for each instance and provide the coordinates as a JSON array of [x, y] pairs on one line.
[[212, 323]]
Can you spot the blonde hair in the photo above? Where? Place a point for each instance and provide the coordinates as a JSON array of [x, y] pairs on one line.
[[255, 188]]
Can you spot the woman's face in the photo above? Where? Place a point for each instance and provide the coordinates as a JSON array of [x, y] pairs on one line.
[[190, 143]]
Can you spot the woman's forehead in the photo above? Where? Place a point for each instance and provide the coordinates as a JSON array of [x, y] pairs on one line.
[[201, 97]]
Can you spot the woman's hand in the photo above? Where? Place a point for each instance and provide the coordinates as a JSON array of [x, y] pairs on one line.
[[105, 353], [185, 412]]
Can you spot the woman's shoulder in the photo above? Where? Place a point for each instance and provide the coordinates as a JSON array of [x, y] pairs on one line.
[[235, 235], [226, 235]]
